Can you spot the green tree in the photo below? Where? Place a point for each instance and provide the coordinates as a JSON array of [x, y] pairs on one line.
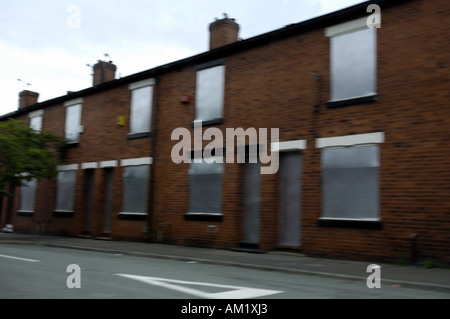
[[26, 154]]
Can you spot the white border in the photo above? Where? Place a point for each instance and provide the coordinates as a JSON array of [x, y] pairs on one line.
[[72, 167], [106, 164], [346, 27], [131, 214], [141, 84], [34, 114], [92, 165], [74, 102], [350, 140], [289, 146], [351, 219], [136, 161]]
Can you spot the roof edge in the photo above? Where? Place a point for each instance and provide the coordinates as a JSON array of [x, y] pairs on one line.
[[355, 11]]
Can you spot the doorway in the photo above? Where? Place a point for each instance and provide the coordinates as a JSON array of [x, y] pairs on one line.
[[109, 188], [90, 182], [289, 233], [251, 203]]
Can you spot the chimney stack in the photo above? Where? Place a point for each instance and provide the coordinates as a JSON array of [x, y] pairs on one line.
[[222, 32], [27, 98], [104, 72]]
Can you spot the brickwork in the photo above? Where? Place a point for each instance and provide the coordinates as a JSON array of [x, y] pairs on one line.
[[101, 140], [27, 98], [104, 72], [222, 32], [271, 86]]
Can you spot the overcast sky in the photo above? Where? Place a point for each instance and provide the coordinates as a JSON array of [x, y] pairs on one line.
[[47, 44]]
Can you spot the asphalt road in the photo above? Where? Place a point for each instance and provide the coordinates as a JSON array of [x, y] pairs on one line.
[[35, 272]]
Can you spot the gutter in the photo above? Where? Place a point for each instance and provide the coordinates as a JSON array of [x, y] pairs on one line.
[[323, 21]]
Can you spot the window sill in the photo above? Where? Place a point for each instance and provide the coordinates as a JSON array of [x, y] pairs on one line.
[[25, 213], [210, 122], [72, 144], [63, 213], [353, 101], [132, 216], [203, 217], [350, 223], [133, 136]]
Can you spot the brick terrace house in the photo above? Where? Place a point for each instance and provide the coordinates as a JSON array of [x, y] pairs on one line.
[[364, 131]]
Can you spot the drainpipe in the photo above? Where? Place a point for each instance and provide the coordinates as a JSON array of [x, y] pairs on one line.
[[154, 133], [316, 110]]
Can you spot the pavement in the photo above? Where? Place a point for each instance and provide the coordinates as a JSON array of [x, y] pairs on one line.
[[437, 279]]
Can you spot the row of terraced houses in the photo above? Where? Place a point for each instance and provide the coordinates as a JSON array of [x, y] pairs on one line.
[[363, 119]]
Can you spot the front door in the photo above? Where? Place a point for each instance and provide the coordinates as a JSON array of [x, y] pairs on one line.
[[252, 200], [290, 199], [90, 182], [109, 188]]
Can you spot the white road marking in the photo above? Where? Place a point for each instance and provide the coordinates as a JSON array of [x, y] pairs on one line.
[[235, 292], [19, 258]]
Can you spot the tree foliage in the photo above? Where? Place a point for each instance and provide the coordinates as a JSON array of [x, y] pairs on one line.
[[26, 154]]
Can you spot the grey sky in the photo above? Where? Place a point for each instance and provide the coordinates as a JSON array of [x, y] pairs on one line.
[[47, 43]]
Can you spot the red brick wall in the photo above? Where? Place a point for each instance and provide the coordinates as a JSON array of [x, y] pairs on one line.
[[102, 140], [270, 87]]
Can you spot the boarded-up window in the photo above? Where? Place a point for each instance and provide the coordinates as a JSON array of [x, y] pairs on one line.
[[36, 123], [350, 182], [141, 109], [28, 195], [210, 93], [353, 64], [73, 118], [205, 188], [135, 189], [65, 191]]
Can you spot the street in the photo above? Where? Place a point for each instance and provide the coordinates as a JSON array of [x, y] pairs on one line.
[[38, 272]]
